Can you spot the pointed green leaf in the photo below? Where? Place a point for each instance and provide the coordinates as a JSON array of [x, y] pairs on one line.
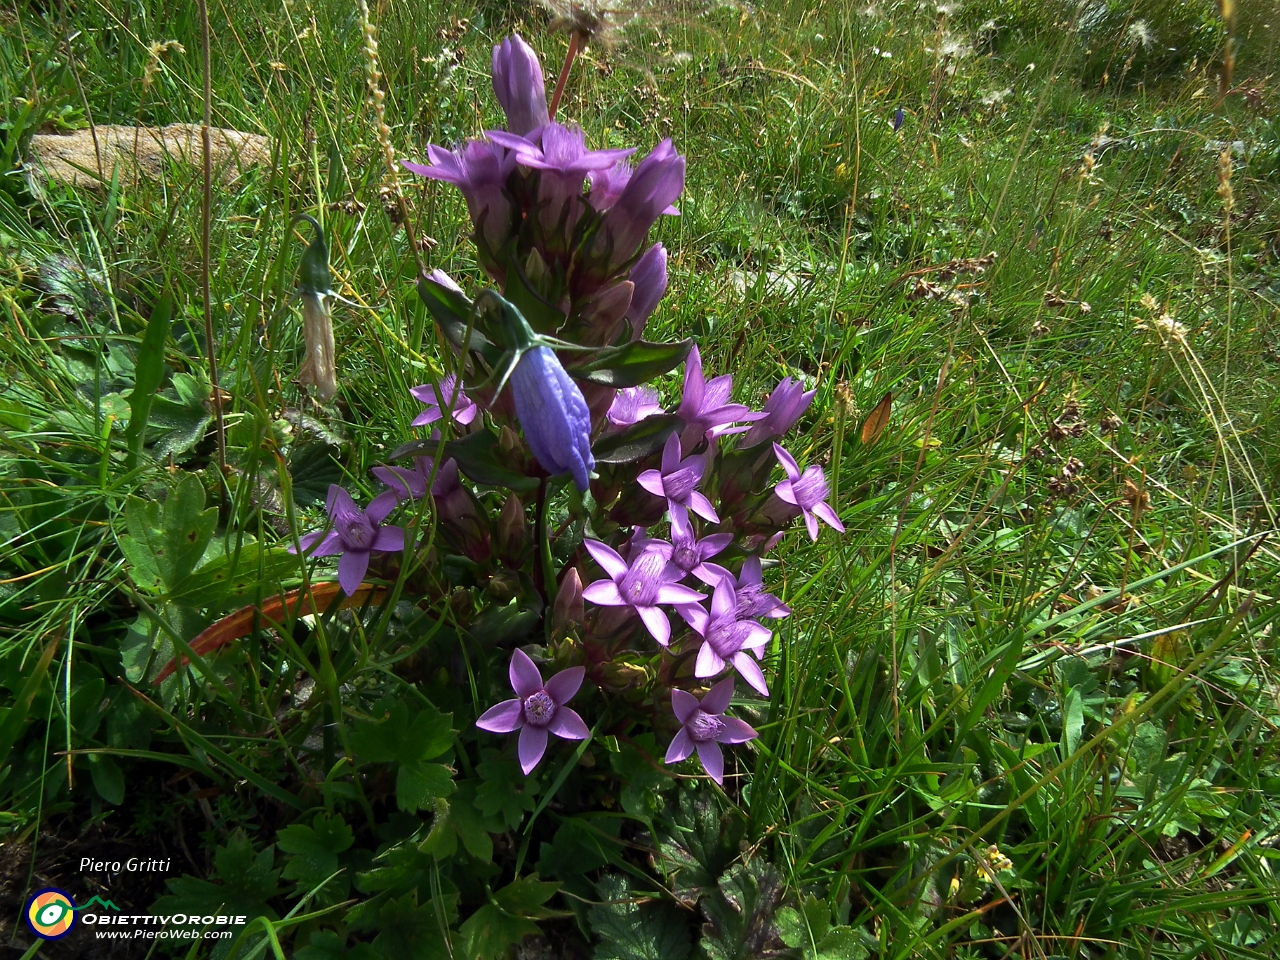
[[637, 441], [632, 363]]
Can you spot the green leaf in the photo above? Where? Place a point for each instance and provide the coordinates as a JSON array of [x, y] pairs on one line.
[[177, 533], [740, 914], [248, 882], [314, 848], [526, 895], [465, 817], [481, 459], [632, 363], [418, 783], [329, 945], [229, 577], [1072, 721], [637, 441], [580, 846], [450, 309], [400, 737], [630, 930], [491, 931], [148, 374], [108, 778], [641, 780], [442, 841], [410, 930], [312, 468], [179, 424], [506, 792]]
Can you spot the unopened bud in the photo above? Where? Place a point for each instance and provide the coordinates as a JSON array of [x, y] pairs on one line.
[[535, 268], [568, 607], [508, 440], [512, 529], [619, 676]]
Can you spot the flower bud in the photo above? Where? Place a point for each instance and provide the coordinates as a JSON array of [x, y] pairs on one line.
[[650, 278], [512, 530], [568, 607], [621, 676], [519, 86]]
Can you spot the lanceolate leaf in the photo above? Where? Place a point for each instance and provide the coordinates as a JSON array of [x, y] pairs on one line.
[[632, 363], [637, 441], [480, 458], [147, 375]]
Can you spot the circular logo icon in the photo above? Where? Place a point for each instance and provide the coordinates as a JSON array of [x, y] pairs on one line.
[[51, 914]]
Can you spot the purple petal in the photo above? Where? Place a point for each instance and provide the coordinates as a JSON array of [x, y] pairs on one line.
[[684, 703], [788, 463], [651, 480], [717, 542], [758, 635], [351, 571], [340, 505], [785, 493], [533, 744], [567, 724], [382, 504], [717, 699], [695, 616], [389, 539], [554, 415], [712, 573], [306, 541], [657, 623], [331, 544], [709, 662], [824, 512], [811, 524], [565, 684], [702, 507], [607, 557], [750, 671], [525, 678], [605, 593], [671, 453], [503, 717], [675, 593], [681, 747], [712, 758], [736, 731], [724, 599]]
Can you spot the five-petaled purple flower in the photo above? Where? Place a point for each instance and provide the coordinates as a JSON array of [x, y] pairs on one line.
[[704, 406], [539, 709], [705, 727], [355, 534], [688, 554], [461, 407], [727, 636], [808, 491], [678, 480], [753, 600], [783, 408], [641, 585], [554, 415], [518, 84], [632, 404]]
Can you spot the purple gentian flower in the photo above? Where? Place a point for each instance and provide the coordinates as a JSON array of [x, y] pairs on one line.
[[539, 709], [355, 534], [897, 120], [677, 481], [688, 554], [402, 483], [480, 170], [461, 408], [808, 491], [649, 276], [784, 407], [726, 636], [704, 407], [562, 156], [554, 415], [705, 727], [518, 84], [643, 584], [647, 192], [632, 404], [753, 600]]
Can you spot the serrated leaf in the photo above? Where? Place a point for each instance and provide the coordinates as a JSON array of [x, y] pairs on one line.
[[637, 441], [631, 930], [482, 460], [506, 792], [248, 882], [401, 737], [410, 930], [740, 914], [418, 783], [315, 848], [632, 363], [175, 534], [312, 468]]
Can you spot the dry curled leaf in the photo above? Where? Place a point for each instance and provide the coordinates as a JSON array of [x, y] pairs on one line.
[[878, 419]]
